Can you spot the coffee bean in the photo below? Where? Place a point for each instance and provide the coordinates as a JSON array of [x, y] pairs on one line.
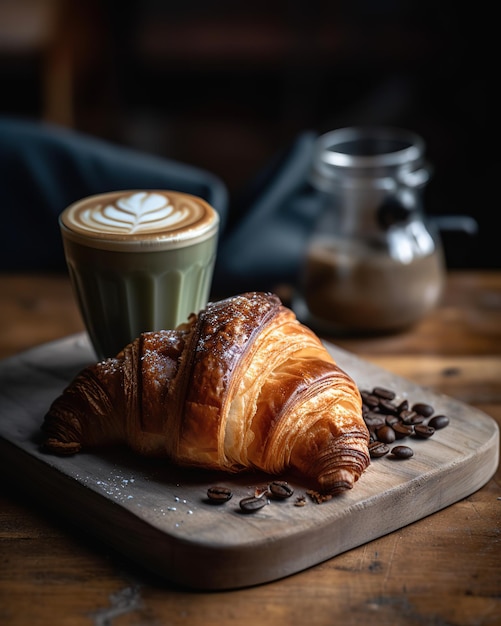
[[386, 434], [386, 406], [280, 489], [403, 406], [253, 503], [423, 409], [403, 430], [402, 452], [391, 420], [439, 421], [374, 420], [384, 393], [416, 419], [218, 494], [407, 415], [370, 399], [378, 449], [423, 431]]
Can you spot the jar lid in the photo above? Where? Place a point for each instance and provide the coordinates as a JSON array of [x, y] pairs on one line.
[[368, 155]]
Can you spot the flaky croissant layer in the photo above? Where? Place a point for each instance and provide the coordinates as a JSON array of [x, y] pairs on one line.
[[242, 385]]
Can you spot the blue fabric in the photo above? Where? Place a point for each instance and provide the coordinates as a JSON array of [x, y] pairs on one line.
[[275, 219], [44, 168]]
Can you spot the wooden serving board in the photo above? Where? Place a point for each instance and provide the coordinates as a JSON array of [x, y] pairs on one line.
[[159, 516]]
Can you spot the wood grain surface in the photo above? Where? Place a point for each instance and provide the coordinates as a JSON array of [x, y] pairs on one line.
[[444, 569], [158, 515]]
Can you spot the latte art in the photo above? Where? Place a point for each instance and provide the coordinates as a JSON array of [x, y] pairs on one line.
[[140, 212], [132, 218]]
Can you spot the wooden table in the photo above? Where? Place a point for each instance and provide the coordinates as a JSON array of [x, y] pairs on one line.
[[444, 569]]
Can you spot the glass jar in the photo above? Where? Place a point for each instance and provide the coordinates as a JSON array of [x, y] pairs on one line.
[[373, 264]]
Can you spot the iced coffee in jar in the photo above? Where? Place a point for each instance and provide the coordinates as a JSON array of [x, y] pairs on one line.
[[373, 264]]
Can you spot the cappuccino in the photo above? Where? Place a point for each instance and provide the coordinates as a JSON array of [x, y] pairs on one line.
[[138, 261]]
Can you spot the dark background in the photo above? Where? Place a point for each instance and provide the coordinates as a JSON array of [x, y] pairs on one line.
[[226, 85]]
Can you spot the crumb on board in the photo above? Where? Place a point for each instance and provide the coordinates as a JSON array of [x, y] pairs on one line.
[[318, 497]]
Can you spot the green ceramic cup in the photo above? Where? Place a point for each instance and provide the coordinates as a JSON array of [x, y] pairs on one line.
[[139, 260]]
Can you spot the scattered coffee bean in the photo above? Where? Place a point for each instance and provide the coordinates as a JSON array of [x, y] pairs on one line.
[[280, 489], [387, 406], [378, 449], [406, 416], [439, 421], [386, 434], [374, 420], [218, 494], [423, 409], [402, 452], [403, 430], [403, 406], [388, 394], [416, 419], [370, 399], [391, 420], [401, 420], [423, 431], [253, 503]]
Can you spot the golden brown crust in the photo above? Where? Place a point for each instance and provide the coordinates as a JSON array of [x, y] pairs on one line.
[[241, 385]]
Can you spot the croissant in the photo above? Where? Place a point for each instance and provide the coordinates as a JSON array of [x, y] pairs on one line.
[[242, 385]]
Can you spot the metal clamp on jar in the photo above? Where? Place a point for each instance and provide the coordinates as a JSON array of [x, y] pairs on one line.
[[373, 264]]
